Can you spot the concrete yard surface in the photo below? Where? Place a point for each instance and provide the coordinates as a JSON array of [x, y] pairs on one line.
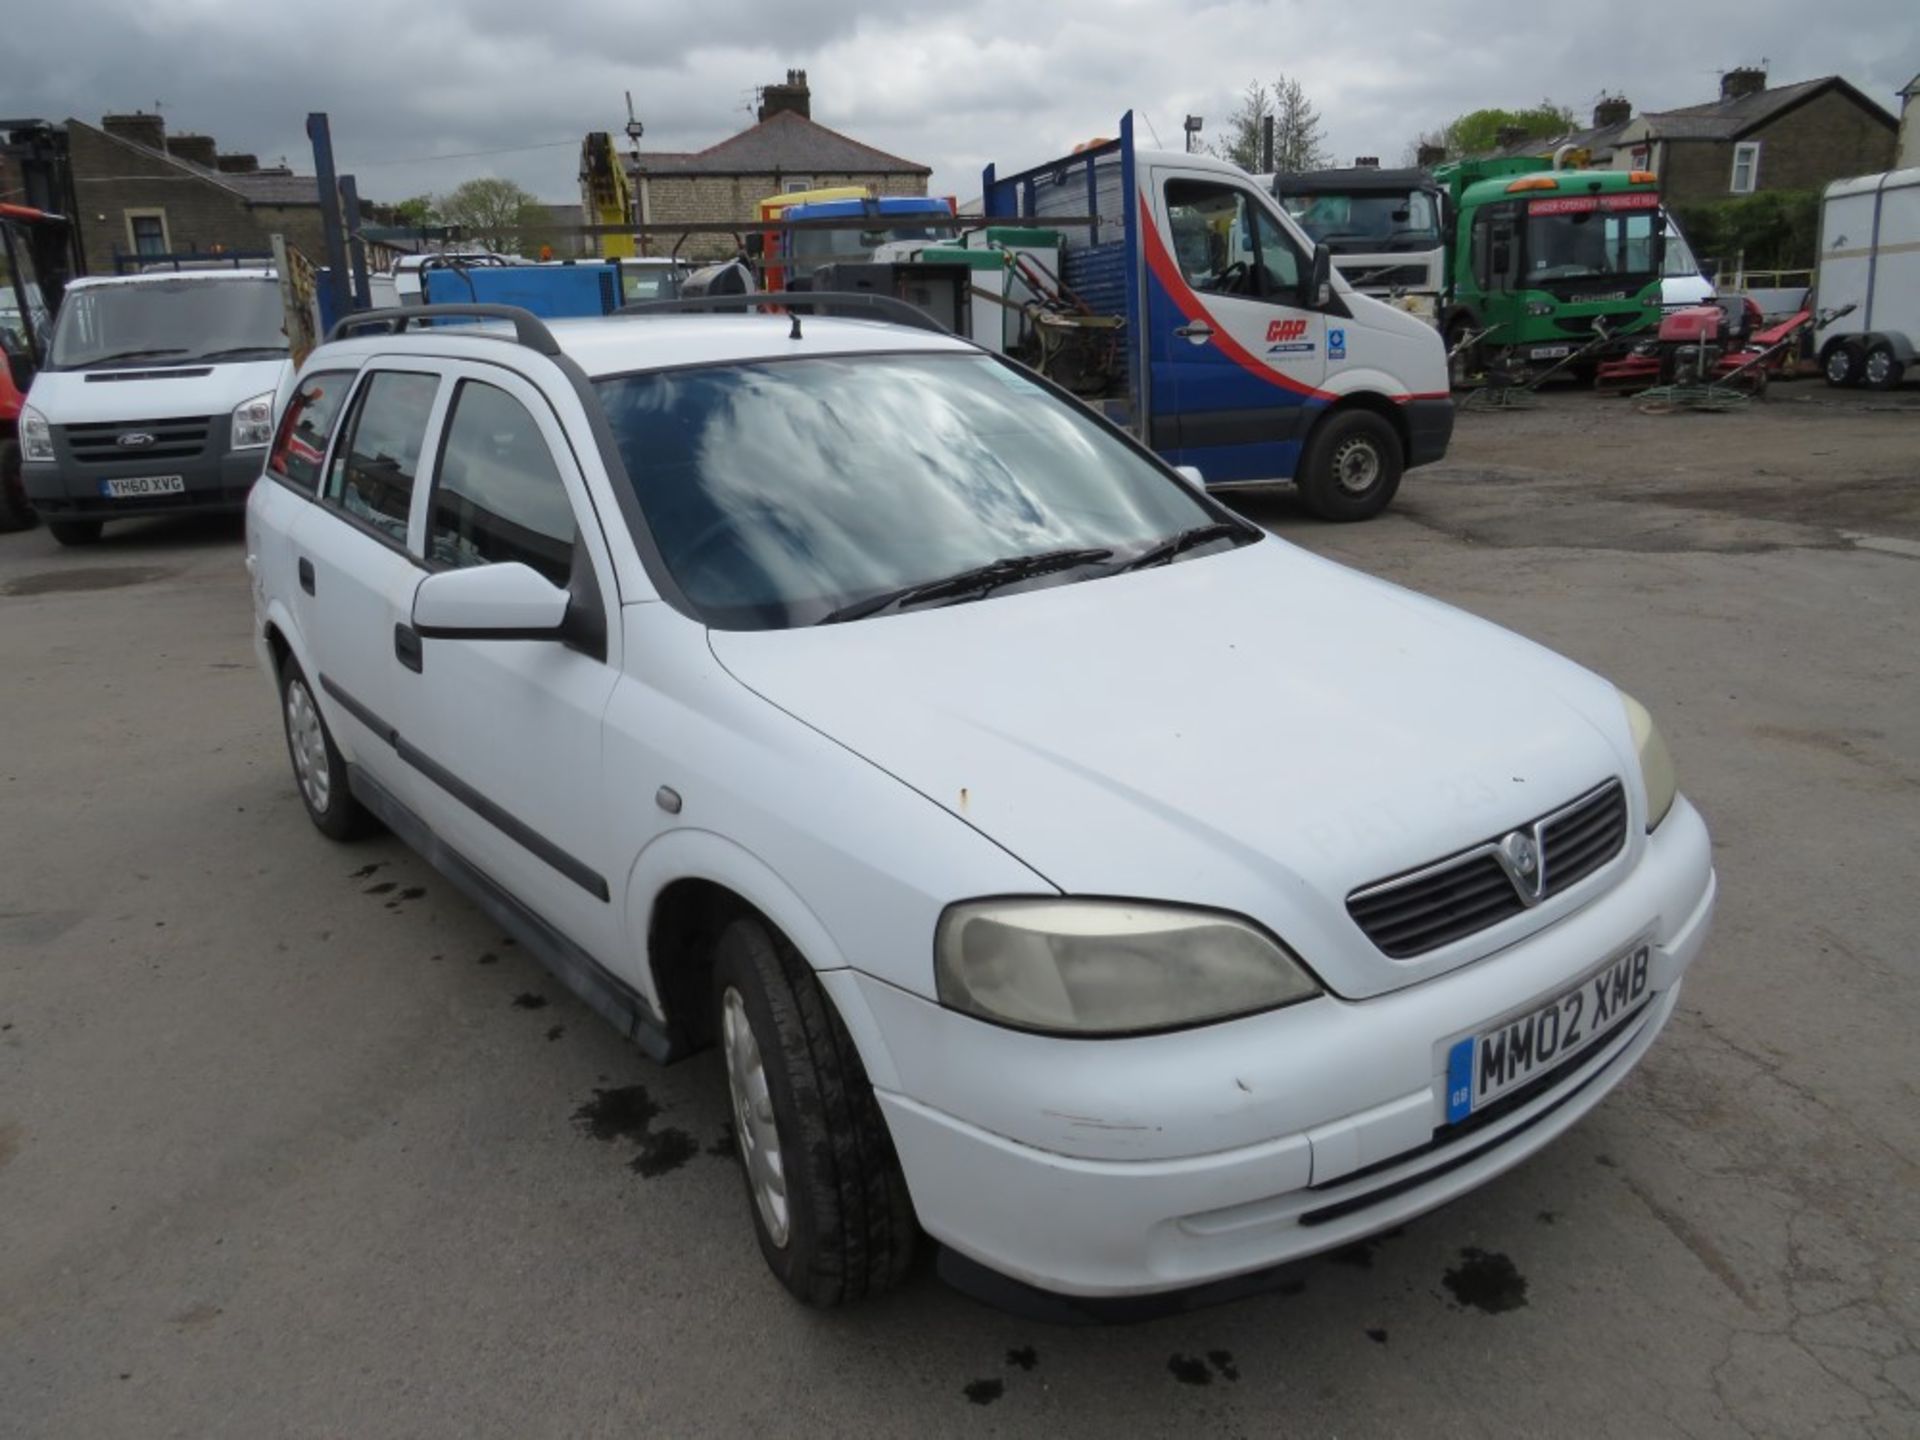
[[294, 1143]]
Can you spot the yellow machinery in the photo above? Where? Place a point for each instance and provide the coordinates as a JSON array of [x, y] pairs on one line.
[[606, 194]]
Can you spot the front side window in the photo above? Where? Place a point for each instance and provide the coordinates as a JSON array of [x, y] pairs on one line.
[[371, 477], [1226, 244], [498, 495], [1746, 167], [300, 447], [780, 492]]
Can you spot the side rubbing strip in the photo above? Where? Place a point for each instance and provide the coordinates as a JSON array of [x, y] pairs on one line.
[[507, 824]]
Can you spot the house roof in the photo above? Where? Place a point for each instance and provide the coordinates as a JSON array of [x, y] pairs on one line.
[[1606, 138], [785, 143], [1729, 119], [256, 188]]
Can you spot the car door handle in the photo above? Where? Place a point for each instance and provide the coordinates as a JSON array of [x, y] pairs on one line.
[[306, 574], [1198, 333], [407, 648]]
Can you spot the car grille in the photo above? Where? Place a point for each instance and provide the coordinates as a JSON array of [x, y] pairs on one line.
[[173, 439], [1462, 894]]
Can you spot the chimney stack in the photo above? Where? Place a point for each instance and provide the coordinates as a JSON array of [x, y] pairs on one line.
[[1366, 162], [194, 149], [1742, 81], [793, 96], [237, 164], [1612, 110], [139, 127]]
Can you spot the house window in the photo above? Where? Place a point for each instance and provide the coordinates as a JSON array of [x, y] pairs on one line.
[[1746, 167], [797, 184], [147, 231]]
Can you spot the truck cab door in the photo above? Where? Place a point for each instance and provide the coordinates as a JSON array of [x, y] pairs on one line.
[[1245, 352]]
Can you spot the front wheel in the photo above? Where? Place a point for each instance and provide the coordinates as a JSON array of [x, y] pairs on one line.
[[1351, 467], [1843, 366], [830, 1205], [15, 512], [1463, 360]]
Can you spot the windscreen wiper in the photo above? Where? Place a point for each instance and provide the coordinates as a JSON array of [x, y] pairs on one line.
[[973, 584], [129, 355], [236, 350], [1174, 546]]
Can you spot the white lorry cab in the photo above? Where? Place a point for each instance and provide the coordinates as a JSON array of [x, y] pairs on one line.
[[1870, 261], [157, 397]]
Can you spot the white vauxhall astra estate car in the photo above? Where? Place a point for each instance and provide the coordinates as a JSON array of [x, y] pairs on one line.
[[1067, 869]]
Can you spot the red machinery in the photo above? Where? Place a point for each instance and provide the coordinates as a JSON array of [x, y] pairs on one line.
[[33, 274], [1721, 343]]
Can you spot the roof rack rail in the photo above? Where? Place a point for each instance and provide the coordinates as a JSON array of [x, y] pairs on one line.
[[528, 328], [805, 302]]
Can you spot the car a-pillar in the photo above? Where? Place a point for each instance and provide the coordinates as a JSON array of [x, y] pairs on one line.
[[1353, 458], [829, 1202]]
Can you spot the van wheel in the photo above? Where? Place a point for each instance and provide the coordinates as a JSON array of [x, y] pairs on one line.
[[74, 532], [15, 512], [1843, 364], [319, 770], [1352, 466], [830, 1205], [1881, 370]]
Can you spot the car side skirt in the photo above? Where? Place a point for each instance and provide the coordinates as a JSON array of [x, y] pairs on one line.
[[617, 1002]]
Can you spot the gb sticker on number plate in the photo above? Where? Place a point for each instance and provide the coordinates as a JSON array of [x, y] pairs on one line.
[[1482, 1067]]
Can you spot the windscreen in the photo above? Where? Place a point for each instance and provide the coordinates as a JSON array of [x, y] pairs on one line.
[[173, 322], [782, 491], [1352, 224], [1579, 240]]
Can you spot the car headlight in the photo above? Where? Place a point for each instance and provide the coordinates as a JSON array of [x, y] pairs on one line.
[[1656, 763], [1108, 967], [253, 422], [36, 436]]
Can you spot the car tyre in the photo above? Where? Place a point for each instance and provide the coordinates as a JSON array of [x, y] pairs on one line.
[[829, 1203], [1881, 369], [15, 511], [74, 532], [1843, 364], [1351, 467], [319, 770]]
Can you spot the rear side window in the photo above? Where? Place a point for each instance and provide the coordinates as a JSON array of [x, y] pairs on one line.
[[371, 477], [499, 495], [300, 447]]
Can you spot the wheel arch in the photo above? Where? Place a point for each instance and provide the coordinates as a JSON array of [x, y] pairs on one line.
[[683, 890], [1369, 400]]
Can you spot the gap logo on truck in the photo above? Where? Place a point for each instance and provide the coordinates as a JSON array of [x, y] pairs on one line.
[[1285, 337]]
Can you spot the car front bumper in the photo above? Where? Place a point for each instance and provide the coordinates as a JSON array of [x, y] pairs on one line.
[[1107, 1169], [218, 481], [1429, 429]]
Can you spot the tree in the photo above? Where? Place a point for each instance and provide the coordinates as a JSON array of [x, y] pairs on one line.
[[1478, 131], [497, 214], [1297, 142], [417, 211]]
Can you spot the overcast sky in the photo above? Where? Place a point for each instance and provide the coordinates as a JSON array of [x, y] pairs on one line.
[[949, 85]]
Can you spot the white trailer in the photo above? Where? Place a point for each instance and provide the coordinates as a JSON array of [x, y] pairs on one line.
[[1870, 259]]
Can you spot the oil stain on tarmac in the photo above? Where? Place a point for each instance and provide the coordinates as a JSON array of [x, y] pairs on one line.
[[628, 1113], [1488, 1281]]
